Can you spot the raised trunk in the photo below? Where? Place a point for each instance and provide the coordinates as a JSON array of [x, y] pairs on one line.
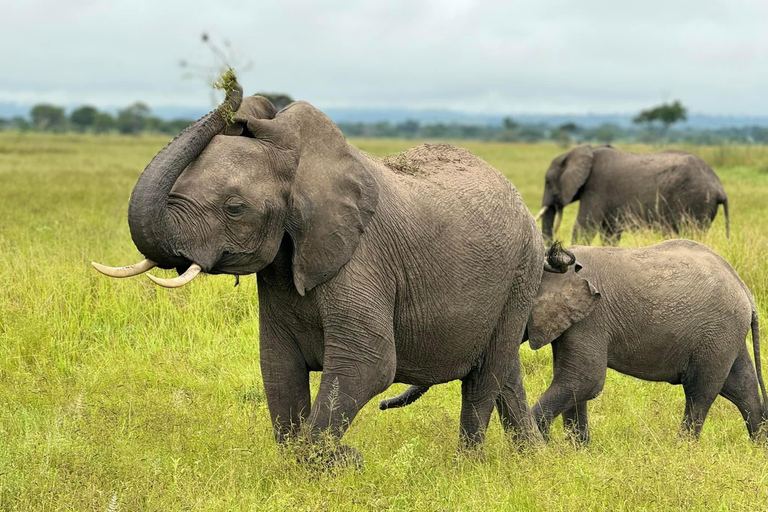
[[547, 221], [151, 230]]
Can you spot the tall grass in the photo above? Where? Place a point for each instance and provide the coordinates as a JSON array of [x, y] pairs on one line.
[[119, 395]]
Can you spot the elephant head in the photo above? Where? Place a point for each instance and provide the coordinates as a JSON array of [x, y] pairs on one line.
[[221, 196], [566, 175], [563, 300]]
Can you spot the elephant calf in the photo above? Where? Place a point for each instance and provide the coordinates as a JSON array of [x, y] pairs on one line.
[[674, 312], [616, 189]]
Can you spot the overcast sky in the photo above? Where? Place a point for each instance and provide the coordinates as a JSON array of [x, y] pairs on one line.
[[538, 56]]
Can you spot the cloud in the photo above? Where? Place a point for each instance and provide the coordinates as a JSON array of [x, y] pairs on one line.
[[493, 56]]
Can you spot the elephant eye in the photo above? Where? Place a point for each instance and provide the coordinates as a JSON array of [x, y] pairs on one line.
[[235, 207]]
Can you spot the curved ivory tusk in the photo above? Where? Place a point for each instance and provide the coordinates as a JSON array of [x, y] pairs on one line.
[[129, 271], [558, 220], [176, 282], [541, 212]]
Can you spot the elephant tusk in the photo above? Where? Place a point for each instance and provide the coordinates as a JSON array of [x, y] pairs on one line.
[[558, 220], [541, 212], [129, 271], [176, 282]]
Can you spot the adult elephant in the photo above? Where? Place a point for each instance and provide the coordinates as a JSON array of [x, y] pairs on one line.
[[418, 268], [617, 189]]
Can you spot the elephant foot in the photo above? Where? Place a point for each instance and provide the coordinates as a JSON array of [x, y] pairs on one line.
[[323, 457]]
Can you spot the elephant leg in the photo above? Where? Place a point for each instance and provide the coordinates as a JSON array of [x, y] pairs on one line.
[[498, 380], [583, 232], [610, 234], [579, 375], [701, 388], [576, 423], [359, 362], [741, 388], [286, 383], [515, 414]]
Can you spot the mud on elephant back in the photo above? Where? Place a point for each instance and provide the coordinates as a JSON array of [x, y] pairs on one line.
[[419, 268], [619, 190]]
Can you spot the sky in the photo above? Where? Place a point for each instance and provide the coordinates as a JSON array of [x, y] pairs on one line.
[[539, 56]]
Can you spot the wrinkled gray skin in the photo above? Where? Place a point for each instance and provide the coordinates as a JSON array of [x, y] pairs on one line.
[[674, 312], [619, 189], [419, 268]]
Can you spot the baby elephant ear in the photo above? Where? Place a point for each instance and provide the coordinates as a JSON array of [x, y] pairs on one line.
[[562, 301], [251, 109]]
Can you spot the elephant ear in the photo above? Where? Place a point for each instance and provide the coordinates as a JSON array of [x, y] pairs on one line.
[[578, 165], [251, 109], [562, 301], [332, 196]]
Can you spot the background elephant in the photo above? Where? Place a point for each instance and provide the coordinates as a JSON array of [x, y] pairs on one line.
[[675, 312], [617, 189], [419, 268]]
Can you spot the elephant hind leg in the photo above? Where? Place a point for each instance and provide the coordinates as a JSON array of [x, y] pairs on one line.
[[514, 413], [741, 388], [576, 423], [701, 387], [510, 399]]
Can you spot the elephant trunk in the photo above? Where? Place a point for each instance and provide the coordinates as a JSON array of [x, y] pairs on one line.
[[151, 228], [547, 222]]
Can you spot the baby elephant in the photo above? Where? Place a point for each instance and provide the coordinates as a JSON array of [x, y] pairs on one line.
[[673, 312]]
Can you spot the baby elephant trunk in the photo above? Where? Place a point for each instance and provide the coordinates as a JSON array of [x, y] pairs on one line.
[[557, 260]]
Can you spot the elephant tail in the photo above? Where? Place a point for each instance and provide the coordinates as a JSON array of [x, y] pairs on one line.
[[724, 202], [756, 350], [407, 397]]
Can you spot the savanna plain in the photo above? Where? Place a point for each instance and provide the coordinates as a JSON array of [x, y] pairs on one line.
[[120, 395]]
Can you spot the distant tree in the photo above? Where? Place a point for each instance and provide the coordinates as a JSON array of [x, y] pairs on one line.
[[470, 131], [509, 123], [408, 128], [570, 128], [175, 126], [278, 99], [561, 137], [505, 135], [607, 133], [132, 119], [83, 118], [20, 123], [436, 131], [382, 129], [666, 114], [103, 122], [153, 124], [4, 123], [48, 118], [530, 133]]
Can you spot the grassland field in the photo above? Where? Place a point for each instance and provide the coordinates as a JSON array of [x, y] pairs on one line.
[[120, 395]]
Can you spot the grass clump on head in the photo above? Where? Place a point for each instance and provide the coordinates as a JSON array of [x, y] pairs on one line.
[[227, 82]]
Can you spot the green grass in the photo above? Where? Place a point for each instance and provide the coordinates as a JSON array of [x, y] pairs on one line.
[[117, 394]]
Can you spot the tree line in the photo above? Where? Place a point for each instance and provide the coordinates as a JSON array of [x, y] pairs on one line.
[[650, 126], [132, 120]]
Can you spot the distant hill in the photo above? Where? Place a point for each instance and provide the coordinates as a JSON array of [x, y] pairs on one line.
[[432, 116]]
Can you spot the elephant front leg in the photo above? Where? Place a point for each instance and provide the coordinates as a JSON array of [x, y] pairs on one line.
[[357, 366], [576, 423], [286, 384]]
